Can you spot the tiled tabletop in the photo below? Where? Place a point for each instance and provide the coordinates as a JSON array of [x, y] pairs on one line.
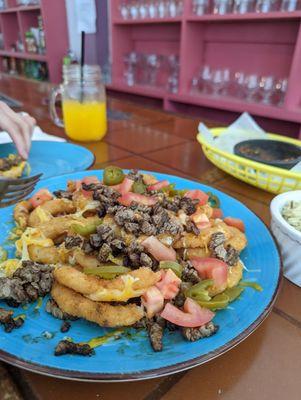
[[266, 365]]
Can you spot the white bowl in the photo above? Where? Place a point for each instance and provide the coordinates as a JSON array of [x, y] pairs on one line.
[[288, 238]]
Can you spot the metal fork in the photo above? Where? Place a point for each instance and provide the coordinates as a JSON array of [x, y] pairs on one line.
[[14, 190]]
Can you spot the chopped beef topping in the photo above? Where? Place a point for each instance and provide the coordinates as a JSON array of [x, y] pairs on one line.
[[65, 327], [63, 194], [104, 252], [53, 309], [232, 255], [192, 228], [216, 239], [105, 232], [193, 334], [67, 347], [189, 273], [145, 260], [188, 205], [217, 247], [28, 282], [155, 327], [73, 241], [8, 322], [87, 248]]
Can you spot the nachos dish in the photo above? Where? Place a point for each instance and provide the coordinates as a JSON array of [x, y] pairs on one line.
[[127, 251]]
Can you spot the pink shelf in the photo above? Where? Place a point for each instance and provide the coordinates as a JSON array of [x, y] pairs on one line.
[[264, 44], [21, 8], [27, 56], [231, 104], [248, 16], [119, 21], [15, 21], [138, 89]]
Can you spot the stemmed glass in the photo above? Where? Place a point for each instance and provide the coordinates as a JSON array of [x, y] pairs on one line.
[[173, 77]]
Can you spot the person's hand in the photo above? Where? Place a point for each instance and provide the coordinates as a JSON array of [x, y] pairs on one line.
[[19, 128]]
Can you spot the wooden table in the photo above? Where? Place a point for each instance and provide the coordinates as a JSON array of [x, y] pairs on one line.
[[265, 366]]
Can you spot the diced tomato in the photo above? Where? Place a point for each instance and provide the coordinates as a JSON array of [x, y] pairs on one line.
[[236, 222], [199, 195], [216, 213], [193, 315], [159, 185], [211, 268], [124, 187], [169, 285], [40, 197], [159, 250], [153, 301], [128, 198], [201, 220]]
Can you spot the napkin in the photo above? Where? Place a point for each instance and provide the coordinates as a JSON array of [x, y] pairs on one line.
[[38, 134], [244, 128]]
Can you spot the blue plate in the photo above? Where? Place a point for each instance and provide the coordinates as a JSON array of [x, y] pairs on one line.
[[131, 357], [53, 158]]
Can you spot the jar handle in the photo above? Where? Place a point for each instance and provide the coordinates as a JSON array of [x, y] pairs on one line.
[[52, 108]]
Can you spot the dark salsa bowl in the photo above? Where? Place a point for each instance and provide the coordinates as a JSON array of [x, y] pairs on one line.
[[271, 152]]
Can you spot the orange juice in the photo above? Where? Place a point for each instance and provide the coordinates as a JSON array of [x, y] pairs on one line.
[[85, 121]]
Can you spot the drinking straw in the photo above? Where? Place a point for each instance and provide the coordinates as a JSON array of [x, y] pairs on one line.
[[82, 63]]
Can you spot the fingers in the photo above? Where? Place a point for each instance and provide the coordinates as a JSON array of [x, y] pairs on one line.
[[19, 127]]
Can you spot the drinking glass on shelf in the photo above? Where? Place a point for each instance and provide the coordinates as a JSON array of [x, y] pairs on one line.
[[171, 8], [204, 80], [252, 87], [238, 85], [130, 61], [162, 10], [200, 7], [133, 7], [217, 83], [222, 7], [289, 5], [143, 9], [279, 92], [267, 89], [153, 65], [153, 9], [124, 10], [173, 76], [243, 6], [265, 6]]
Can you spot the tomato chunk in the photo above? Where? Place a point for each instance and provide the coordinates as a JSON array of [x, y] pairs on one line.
[[159, 250], [236, 222], [169, 285], [199, 195], [159, 185], [193, 315], [153, 301], [211, 268], [217, 213], [128, 198], [124, 187], [40, 197]]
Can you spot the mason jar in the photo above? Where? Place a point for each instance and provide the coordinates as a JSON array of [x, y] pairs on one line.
[[83, 103]]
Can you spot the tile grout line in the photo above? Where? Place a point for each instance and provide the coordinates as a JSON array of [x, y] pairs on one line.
[[21, 383], [141, 154], [286, 316], [164, 386]]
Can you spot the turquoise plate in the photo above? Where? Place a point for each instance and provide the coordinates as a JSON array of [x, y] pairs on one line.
[[53, 158], [131, 357]]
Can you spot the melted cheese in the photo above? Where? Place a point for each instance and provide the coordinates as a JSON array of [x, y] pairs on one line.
[[43, 215], [118, 295], [31, 236], [8, 267]]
